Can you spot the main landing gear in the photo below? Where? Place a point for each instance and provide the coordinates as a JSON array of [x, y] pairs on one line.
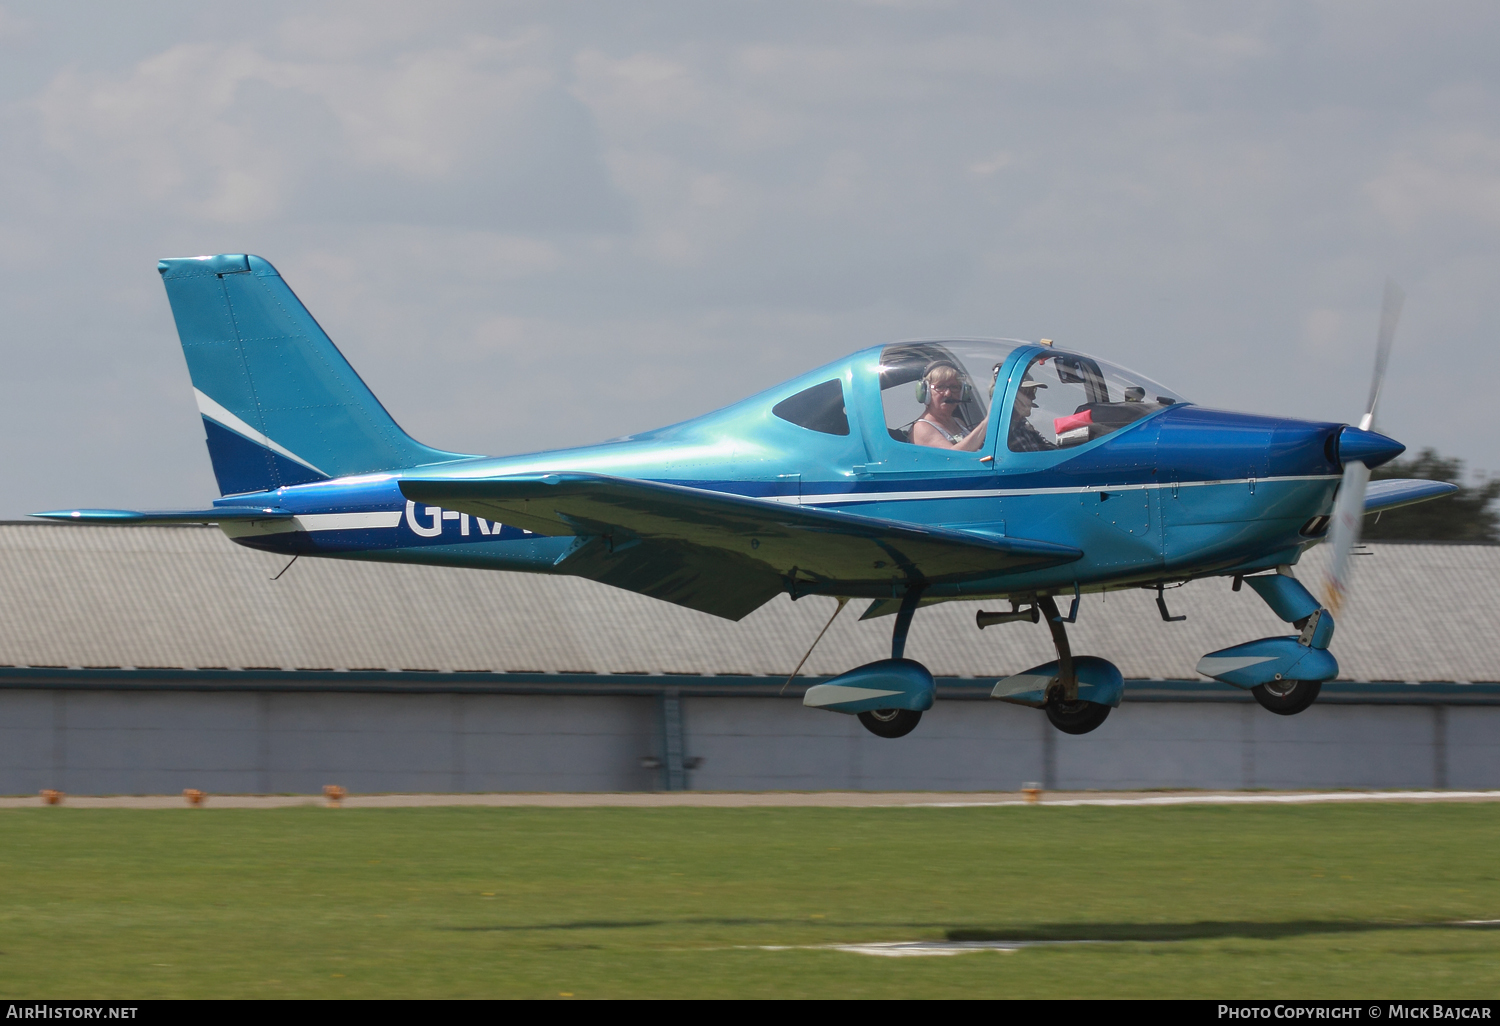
[[1065, 710], [893, 723], [1076, 693], [1285, 674], [1076, 717], [888, 695]]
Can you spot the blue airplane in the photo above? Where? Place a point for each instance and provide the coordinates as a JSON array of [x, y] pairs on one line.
[[904, 474]]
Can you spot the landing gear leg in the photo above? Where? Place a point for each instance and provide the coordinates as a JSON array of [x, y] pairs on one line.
[[1064, 709], [909, 603], [1067, 679], [896, 722]]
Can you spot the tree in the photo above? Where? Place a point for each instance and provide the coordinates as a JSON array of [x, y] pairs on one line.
[[1463, 516]]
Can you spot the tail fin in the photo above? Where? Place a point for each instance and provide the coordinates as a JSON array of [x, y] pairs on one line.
[[280, 404]]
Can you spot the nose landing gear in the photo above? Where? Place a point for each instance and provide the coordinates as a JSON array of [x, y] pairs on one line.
[[1287, 697], [1284, 674]]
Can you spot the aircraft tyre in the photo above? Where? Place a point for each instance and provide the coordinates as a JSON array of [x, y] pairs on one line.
[[890, 722], [1287, 697], [1076, 717]]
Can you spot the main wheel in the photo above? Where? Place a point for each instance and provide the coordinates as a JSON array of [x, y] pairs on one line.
[[1287, 697], [890, 722], [1076, 717]]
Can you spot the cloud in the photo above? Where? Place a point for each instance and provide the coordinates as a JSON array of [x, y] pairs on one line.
[[667, 206], [13, 28], [1452, 175], [476, 131]]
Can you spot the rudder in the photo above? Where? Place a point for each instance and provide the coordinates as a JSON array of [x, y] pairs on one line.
[[280, 404]]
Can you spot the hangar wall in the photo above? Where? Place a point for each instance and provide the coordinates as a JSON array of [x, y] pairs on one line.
[[152, 659], [141, 741]]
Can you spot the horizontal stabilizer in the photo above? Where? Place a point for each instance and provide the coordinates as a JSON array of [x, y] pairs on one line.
[[1383, 495], [164, 516], [727, 552]]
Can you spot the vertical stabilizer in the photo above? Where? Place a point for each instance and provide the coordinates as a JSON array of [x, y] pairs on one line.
[[280, 404]]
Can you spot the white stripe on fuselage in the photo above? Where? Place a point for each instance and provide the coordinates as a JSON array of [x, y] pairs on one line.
[[213, 411], [348, 521], [847, 498]]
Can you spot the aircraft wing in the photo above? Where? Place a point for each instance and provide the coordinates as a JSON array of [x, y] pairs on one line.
[[1388, 494], [726, 554]]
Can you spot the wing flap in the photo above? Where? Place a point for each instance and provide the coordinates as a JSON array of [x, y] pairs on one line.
[[708, 580]]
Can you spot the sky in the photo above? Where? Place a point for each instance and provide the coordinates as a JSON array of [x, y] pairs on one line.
[[532, 225]]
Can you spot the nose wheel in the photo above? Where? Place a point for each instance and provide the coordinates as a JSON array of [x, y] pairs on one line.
[[1287, 697]]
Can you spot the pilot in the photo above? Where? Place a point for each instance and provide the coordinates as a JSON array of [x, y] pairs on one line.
[[1023, 436], [942, 391]]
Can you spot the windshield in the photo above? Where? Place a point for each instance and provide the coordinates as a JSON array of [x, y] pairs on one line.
[[939, 393], [1066, 399]]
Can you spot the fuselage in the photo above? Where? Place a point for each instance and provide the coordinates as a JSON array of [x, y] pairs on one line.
[[1180, 492]]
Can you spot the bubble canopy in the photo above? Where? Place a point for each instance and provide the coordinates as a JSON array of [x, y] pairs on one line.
[[1061, 398]]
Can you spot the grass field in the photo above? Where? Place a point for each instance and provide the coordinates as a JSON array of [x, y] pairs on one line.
[[1195, 901]]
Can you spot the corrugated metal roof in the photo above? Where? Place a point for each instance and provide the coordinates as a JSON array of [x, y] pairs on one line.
[[188, 597]]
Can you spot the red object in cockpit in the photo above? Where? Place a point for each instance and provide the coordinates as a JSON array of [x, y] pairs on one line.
[[1077, 420]]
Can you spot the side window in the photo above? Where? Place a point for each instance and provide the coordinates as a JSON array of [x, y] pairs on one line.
[[820, 408]]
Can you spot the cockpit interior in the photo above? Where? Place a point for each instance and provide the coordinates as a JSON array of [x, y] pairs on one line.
[[1066, 399], [1058, 401]]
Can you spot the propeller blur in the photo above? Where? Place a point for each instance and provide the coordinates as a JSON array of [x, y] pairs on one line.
[[1349, 506]]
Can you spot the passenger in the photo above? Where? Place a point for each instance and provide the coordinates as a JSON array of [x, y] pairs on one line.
[[942, 391], [1023, 436]]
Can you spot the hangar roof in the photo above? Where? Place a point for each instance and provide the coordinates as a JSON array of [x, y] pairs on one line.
[[149, 597]]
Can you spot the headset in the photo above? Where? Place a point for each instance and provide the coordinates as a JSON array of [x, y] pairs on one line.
[[924, 393]]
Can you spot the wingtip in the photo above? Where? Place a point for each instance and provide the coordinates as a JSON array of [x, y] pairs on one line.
[[164, 517], [115, 515]]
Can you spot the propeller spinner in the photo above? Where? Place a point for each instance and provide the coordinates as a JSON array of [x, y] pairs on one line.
[[1356, 445]]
